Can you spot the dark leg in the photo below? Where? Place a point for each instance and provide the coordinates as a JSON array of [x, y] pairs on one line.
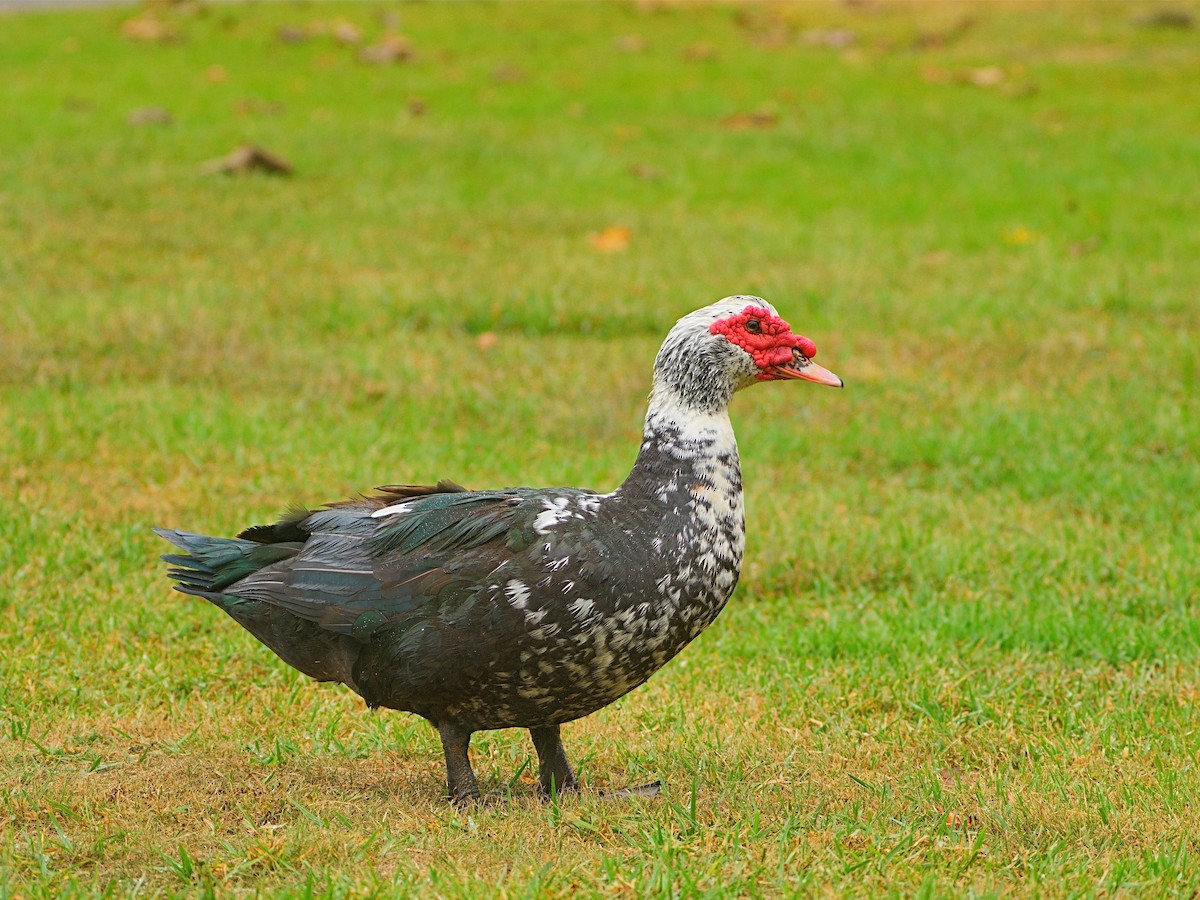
[[555, 775], [459, 777]]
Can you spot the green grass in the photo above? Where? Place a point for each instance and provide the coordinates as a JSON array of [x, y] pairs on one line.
[[963, 655]]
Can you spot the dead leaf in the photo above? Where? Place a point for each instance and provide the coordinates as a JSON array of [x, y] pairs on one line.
[[486, 340], [150, 28], [750, 121], [390, 48], [215, 74], [630, 43], [987, 76], [836, 38], [248, 158], [416, 106], [1168, 18], [610, 240], [345, 32], [149, 115]]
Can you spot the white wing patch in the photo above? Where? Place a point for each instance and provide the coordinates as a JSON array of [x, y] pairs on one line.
[[393, 510], [555, 511], [517, 592]]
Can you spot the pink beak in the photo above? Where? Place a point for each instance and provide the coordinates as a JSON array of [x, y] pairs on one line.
[[805, 369]]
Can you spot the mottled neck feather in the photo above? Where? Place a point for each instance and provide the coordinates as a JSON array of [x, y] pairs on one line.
[[680, 437]]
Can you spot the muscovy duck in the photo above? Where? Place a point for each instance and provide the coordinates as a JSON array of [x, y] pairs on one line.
[[523, 607]]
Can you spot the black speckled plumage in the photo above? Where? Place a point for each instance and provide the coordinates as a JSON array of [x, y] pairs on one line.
[[520, 607]]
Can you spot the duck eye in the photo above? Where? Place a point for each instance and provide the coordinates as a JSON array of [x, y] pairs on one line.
[[754, 326]]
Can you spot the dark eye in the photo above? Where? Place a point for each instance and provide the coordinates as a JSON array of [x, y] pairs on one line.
[[754, 326]]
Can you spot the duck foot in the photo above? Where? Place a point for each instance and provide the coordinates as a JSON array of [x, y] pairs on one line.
[[650, 789]]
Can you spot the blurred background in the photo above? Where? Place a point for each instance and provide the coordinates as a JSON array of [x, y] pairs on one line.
[[257, 254]]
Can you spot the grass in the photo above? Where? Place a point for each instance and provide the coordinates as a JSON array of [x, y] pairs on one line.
[[963, 655]]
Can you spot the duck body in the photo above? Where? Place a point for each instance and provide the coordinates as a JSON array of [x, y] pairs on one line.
[[513, 608]]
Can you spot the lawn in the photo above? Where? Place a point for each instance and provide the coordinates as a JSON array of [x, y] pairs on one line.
[[962, 658]]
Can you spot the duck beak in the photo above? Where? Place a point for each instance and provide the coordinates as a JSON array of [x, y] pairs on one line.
[[805, 369]]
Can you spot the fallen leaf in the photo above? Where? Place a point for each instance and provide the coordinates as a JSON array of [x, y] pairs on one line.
[[248, 158], [345, 32], [1168, 18], [149, 115], [750, 121], [416, 106], [148, 27], [987, 76], [630, 43], [836, 38], [611, 239], [699, 52], [486, 340], [391, 48], [215, 74]]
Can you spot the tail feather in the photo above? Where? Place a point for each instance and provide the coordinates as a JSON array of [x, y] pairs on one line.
[[211, 564]]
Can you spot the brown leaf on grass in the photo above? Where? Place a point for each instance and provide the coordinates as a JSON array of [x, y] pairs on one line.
[[612, 239], [1168, 18], [835, 38], [985, 76], [750, 121], [150, 28], [391, 48], [215, 74], [248, 158], [486, 340], [345, 32], [149, 115], [629, 43], [416, 107]]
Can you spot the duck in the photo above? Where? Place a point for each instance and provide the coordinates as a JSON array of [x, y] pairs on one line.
[[521, 607]]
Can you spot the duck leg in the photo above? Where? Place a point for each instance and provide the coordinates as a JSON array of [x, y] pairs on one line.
[[554, 770], [459, 777]]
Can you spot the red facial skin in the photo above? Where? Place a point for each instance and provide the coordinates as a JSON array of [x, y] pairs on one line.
[[772, 346]]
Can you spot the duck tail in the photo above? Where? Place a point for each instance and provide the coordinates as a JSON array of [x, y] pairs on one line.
[[208, 565]]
